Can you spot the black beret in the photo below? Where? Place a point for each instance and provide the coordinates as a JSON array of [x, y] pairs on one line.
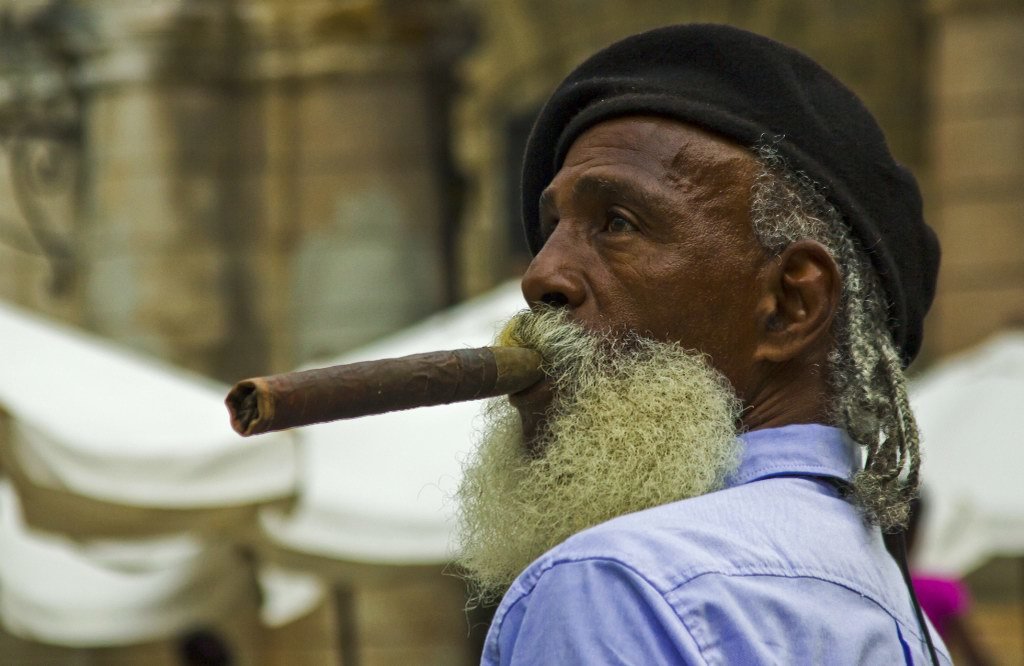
[[746, 87]]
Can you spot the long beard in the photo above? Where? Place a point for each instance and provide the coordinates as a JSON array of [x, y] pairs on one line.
[[634, 423]]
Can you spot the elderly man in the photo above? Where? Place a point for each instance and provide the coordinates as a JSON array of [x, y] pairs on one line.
[[730, 273]]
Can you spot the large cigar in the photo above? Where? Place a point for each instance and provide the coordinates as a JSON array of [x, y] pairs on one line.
[[293, 399]]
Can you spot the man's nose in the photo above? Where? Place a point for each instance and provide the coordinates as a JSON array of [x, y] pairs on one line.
[[555, 275]]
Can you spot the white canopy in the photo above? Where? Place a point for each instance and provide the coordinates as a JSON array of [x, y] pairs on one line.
[[106, 442], [95, 420], [53, 590], [969, 410]]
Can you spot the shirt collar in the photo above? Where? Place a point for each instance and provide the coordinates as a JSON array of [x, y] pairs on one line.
[[796, 450]]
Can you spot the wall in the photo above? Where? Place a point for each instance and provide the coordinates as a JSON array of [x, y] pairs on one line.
[[976, 96], [260, 179]]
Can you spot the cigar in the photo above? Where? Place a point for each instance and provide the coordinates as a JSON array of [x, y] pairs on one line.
[[293, 399]]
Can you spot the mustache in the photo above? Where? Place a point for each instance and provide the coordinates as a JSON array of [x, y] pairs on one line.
[[571, 351], [563, 342]]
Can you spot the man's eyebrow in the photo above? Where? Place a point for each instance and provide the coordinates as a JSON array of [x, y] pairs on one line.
[[593, 185]]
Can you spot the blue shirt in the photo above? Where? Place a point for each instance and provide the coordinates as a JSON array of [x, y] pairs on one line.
[[776, 568]]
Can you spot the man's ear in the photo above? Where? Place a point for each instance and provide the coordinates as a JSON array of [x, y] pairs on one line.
[[800, 299]]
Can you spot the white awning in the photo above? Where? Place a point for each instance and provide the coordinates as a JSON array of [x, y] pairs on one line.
[[137, 461], [94, 419], [969, 410], [53, 590]]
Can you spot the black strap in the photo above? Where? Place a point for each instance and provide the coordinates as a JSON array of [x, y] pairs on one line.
[[896, 544]]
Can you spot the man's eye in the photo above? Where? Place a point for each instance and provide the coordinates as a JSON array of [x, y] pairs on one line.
[[618, 224]]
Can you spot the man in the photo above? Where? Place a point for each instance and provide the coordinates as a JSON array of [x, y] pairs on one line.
[[730, 273]]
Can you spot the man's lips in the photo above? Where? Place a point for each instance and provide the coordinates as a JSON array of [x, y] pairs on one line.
[[533, 399], [532, 404]]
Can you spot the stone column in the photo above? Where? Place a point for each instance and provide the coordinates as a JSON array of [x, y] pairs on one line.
[[977, 99], [263, 178]]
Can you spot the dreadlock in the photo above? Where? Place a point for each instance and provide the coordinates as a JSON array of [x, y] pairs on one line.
[[868, 388]]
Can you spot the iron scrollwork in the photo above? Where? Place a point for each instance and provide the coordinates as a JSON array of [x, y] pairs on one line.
[[41, 133]]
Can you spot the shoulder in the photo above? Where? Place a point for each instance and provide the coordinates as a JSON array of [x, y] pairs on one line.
[[587, 610], [716, 575], [776, 526], [601, 591]]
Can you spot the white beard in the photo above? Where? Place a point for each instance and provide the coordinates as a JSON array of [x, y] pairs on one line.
[[634, 424]]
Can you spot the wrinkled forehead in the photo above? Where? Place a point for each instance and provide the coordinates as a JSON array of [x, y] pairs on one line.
[[641, 157], [674, 147]]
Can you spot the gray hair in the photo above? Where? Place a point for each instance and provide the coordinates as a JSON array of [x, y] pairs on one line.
[[868, 388]]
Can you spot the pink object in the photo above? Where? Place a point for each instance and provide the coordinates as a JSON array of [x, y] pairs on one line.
[[941, 599]]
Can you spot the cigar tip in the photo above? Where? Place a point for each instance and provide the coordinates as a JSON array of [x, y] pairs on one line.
[[243, 406]]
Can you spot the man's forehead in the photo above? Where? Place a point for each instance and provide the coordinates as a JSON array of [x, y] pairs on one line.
[[615, 156], [673, 147]]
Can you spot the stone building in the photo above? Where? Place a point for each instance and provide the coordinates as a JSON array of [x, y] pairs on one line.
[[261, 183], [242, 186]]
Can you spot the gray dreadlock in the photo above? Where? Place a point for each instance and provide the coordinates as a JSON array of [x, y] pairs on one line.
[[869, 394]]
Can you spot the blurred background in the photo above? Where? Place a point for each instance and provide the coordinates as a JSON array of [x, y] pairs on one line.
[[205, 190]]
